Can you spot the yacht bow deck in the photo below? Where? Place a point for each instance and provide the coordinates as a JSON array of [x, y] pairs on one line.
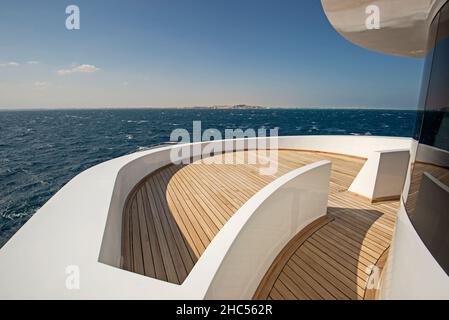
[[334, 256], [174, 213]]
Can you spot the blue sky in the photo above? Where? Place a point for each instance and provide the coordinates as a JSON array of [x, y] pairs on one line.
[[169, 53]]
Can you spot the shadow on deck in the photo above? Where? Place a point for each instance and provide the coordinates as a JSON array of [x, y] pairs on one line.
[[334, 258], [173, 214]]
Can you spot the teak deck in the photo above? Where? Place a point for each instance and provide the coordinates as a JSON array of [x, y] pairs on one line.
[[174, 213]]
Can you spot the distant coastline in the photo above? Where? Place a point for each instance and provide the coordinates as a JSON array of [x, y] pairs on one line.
[[212, 107], [43, 149], [226, 107]]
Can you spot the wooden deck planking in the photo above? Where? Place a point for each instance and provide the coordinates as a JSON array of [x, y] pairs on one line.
[[174, 213], [337, 256]]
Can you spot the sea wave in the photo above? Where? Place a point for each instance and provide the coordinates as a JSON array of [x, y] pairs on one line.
[[42, 150]]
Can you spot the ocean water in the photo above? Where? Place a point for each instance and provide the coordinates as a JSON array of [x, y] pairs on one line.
[[40, 151]]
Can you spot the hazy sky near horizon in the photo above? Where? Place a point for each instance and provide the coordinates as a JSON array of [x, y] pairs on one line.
[[135, 53]]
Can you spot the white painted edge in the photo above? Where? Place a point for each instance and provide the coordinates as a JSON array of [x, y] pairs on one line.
[[222, 254], [69, 229], [411, 272], [383, 175]]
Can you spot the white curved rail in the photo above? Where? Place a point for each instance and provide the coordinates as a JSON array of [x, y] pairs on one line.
[[139, 167], [81, 225], [425, 279], [263, 226]]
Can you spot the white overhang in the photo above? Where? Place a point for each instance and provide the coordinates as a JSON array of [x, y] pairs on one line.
[[404, 24]]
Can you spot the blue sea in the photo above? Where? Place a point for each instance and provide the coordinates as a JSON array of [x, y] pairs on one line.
[[40, 151]]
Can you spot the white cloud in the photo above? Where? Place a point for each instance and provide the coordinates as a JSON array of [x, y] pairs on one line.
[[10, 64], [125, 83], [41, 84], [83, 68], [33, 62]]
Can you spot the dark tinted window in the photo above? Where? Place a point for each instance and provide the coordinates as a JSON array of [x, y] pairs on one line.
[[435, 128], [426, 76], [428, 198]]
